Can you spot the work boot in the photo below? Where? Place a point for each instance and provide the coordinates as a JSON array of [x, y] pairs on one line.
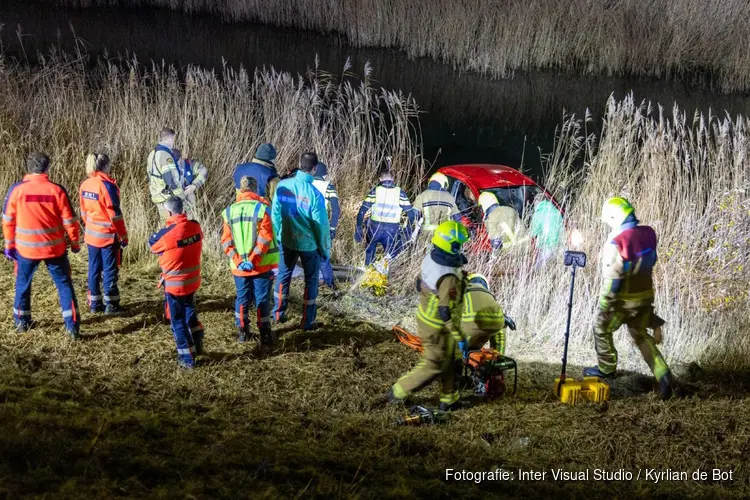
[[112, 309], [448, 406], [74, 333], [282, 319], [594, 371], [666, 386], [393, 399], [186, 365], [315, 326], [23, 327], [267, 338], [96, 308], [242, 335], [198, 346]]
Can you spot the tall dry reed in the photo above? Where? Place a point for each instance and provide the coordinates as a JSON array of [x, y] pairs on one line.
[[706, 40]]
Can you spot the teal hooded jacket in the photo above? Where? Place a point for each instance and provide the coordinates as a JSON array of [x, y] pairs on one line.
[[299, 216]]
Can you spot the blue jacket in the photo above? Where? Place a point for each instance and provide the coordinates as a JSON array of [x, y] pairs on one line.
[[386, 202], [299, 216], [260, 172]]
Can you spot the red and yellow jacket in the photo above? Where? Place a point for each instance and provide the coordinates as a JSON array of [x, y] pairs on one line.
[[37, 216], [179, 247], [263, 241], [100, 211]]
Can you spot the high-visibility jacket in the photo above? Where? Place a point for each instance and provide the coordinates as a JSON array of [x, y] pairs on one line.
[[386, 203], [247, 235], [503, 225], [164, 175], [263, 172], [36, 218], [179, 247], [328, 190], [195, 173], [628, 260], [100, 211], [436, 206], [482, 317], [440, 293]]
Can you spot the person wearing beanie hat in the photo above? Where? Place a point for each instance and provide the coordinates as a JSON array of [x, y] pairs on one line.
[[262, 168]]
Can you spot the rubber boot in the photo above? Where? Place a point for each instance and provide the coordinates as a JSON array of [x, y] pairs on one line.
[[594, 371], [242, 335], [75, 333], [112, 309], [393, 399], [666, 386]]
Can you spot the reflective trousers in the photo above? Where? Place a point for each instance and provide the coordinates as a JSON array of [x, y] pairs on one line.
[[389, 236], [186, 328], [638, 317], [311, 266], [59, 269], [253, 291], [438, 360], [104, 265]]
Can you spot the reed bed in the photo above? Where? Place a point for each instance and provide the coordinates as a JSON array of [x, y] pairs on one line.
[[704, 40]]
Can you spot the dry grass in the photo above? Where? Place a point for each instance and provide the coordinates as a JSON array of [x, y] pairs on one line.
[[705, 40]]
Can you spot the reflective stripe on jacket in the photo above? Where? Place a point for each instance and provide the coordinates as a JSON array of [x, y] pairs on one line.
[[247, 235], [436, 206], [503, 225], [164, 175], [439, 295], [36, 218], [331, 197], [483, 317], [100, 211], [179, 247], [628, 260]]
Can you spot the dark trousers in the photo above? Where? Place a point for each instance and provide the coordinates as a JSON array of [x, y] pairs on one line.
[[253, 291], [186, 328], [389, 236], [59, 269], [104, 265], [311, 266]]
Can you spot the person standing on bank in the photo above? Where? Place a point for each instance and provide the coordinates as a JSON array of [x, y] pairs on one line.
[[164, 175], [262, 168], [105, 233], [302, 230]]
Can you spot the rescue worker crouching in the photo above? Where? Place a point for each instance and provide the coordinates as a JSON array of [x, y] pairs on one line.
[[627, 293], [482, 318], [435, 203], [440, 287], [387, 204], [179, 246], [104, 233], [165, 178], [331, 197], [247, 239], [37, 217], [262, 168], [502, 223]]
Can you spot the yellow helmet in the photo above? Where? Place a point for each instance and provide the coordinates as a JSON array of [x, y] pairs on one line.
[[479, 279], [487, 200], [440, 179], [450, 236], [615, 211]]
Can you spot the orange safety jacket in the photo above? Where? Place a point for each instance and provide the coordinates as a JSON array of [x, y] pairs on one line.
[[100, 211], [179, 247], [262, 242], [37, 216]]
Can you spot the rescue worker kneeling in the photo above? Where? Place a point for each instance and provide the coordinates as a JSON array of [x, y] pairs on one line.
[[627, 294], [247, 239], [105, 233], [179, 246], [36, 219], [503, 225], [483, 318], [440, 287]]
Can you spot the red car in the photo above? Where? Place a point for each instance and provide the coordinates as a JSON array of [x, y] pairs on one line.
[[511, 187]]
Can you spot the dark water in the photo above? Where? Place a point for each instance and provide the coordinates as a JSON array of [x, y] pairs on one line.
[[467, 117]]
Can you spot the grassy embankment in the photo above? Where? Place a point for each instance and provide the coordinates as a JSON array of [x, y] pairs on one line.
[[112, 416], [641, 37]]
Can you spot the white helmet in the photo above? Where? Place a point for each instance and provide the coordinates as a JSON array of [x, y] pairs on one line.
[[487, 200], [441, 179]]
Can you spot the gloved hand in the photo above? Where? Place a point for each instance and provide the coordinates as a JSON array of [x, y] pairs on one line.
[[123, 244], [11, 254], [463, 346], [246, 267], [510, 323], [75, 248], [333, 233], [189, 190]]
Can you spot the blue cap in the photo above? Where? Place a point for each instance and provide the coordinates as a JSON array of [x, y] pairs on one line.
[[266, 152], [321, 169]]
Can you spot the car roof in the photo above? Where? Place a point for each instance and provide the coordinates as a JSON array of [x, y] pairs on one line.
[[486, 176]]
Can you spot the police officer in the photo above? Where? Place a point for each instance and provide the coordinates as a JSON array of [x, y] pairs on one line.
[[165, 177], [247, 239], [328, 190], [301, 227], [440, 287], [178, 246], [105, 233], [386, 204], [262, 168], [435, 203], [37, 217], [627, 293], [503, 225]]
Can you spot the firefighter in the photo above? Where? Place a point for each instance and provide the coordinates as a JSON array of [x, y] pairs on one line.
[[105, 233], [178, 246], [440, 288], [435, 203], [483, 318], [263, 169], [37, 217], [247, 239], [328, 190], [627, 293], [165, 177], [387, 204], [300, 223], [194, 176], [502, 223]]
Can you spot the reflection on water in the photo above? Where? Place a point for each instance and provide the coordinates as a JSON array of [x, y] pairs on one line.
[[467, 118]]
